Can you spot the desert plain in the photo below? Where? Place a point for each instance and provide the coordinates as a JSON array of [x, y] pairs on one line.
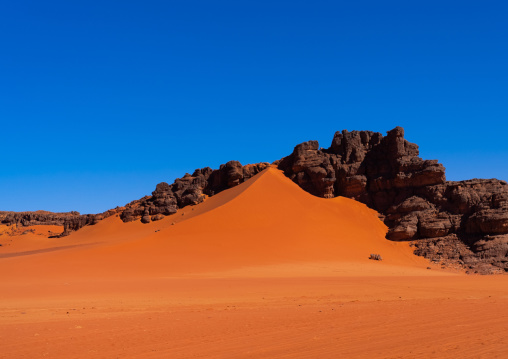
[[261, 270]]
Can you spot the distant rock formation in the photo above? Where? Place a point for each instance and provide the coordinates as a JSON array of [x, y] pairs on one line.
[[462, 222], [25, 219], [70, 221]]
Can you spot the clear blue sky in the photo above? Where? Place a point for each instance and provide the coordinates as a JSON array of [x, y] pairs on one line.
[[101, 100]]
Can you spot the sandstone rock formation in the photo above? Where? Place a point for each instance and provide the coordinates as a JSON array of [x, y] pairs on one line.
[[462, 222]]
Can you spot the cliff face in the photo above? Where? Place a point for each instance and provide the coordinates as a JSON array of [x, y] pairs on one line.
[[463, 223]]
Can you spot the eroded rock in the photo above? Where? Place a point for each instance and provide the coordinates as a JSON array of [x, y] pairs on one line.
[[412, 195]]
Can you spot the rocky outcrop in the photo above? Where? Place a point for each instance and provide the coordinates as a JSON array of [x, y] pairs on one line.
[[456, 222], [363, 165], [70, 221], [188, 190], [76, 222], [26, 219]]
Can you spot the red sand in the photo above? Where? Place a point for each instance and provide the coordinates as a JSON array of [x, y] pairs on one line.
[[263, 270]]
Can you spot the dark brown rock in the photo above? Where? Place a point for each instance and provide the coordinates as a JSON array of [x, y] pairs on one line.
[[405, 229], [35, 218], [157, 217], [311, 169], [364, 165], [74, 223], [490, 221], [411, 204], [494, 250], [437, 225], [412, 195]]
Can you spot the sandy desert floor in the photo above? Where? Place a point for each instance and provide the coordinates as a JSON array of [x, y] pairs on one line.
[[263, 270]]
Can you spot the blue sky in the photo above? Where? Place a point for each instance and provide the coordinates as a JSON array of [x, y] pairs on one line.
[[101, 100]]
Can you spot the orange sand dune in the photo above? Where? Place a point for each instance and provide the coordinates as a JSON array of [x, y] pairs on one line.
[[266, 221], [263, 270]]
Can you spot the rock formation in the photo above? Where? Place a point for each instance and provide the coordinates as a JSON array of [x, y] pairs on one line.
[[35, 218], [70, 221], [462, 222]]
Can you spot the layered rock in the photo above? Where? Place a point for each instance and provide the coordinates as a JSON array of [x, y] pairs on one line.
[[412, 195]]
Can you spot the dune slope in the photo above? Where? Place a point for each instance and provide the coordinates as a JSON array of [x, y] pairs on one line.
[[266, 221]]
